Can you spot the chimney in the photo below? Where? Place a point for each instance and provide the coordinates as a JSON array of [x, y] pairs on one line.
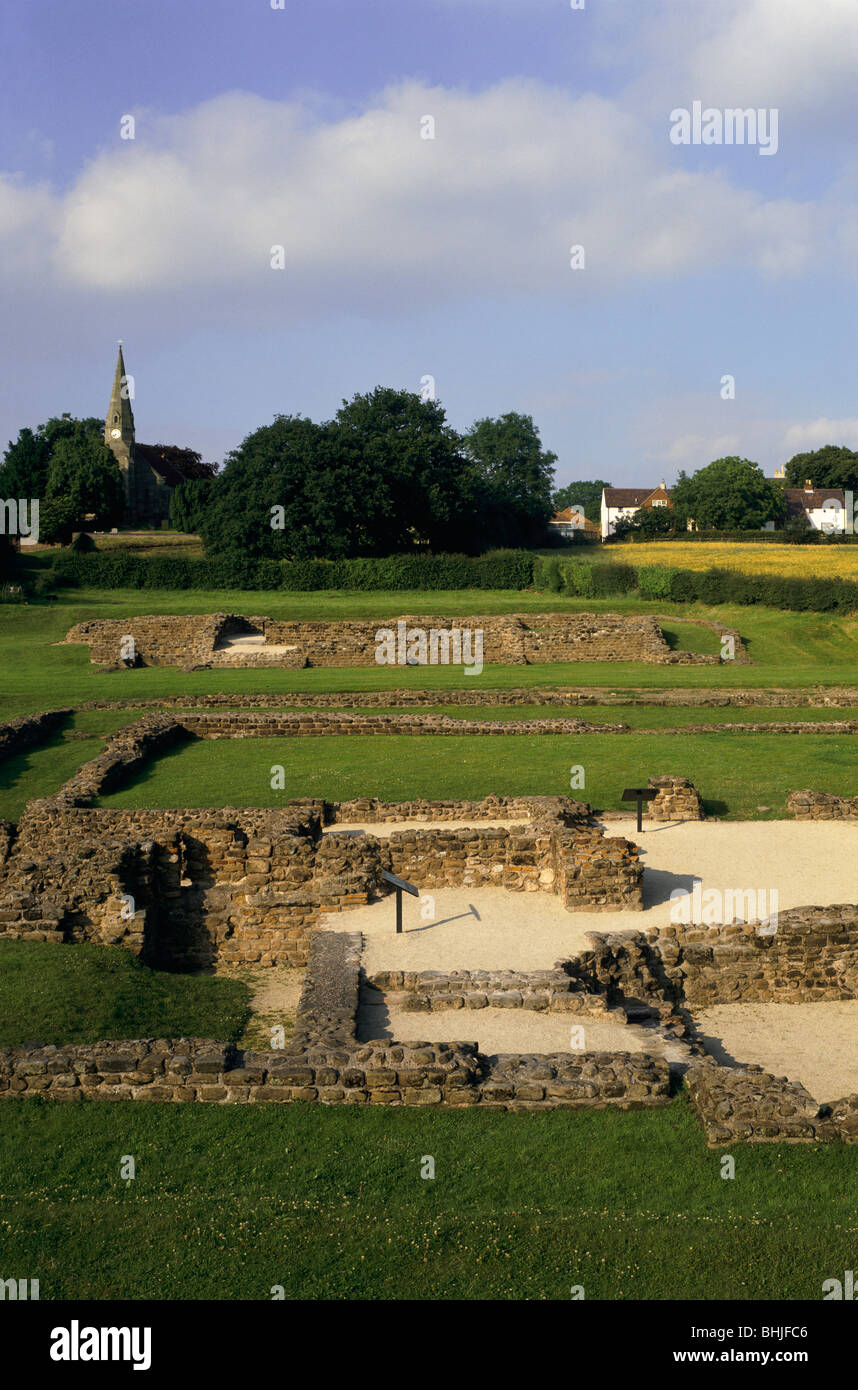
[[808, 485]]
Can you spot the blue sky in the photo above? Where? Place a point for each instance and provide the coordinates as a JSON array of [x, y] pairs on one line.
[[301, 127]]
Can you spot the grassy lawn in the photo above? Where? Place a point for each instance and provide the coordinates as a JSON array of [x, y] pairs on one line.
[[735, 773], [61, 994], [789, 649], [329, 1203], [41, 771]]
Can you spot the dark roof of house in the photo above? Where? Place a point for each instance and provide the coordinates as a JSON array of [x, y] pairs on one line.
[[811, 499], [169, 462], [630, 496]]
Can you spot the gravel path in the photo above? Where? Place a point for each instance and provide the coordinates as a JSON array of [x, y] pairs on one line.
[[814, 1044], [809, 863], [506, 1030]]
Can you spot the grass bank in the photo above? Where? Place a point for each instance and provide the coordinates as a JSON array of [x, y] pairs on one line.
[[329, 1203], [52, 993], [735, 773]]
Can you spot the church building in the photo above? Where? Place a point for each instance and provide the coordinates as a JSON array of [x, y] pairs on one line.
[[150, 472]]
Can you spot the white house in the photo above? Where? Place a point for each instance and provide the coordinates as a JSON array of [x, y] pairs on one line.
[[619, 503], [824, 507]]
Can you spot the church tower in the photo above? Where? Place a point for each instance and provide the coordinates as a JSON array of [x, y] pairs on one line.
[[119, 429]]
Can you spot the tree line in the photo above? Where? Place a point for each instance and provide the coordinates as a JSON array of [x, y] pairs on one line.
[[387, 474], [729, 494]]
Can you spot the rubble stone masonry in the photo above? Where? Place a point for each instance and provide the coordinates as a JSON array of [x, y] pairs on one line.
[[508, 640], [189, 888]]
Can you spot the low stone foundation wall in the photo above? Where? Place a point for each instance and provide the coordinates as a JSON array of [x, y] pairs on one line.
[[20, 734], [747, 1104], [325, 1063], [368, 810], [807, 805], [428, 991], [412, 1073], [812, 956], [510, 639], [290, 725], [560, 696]]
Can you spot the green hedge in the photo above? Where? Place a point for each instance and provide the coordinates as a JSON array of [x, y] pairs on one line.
[[499, 569], [502, 569], [812, 595], [655, 581]]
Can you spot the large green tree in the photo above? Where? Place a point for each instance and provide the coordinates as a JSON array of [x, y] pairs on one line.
[[84, 472], [831, 466], [68, 467], [515, 476], [405, 470], [188, 502], [730, 494], [584, 494], [385, 474], [276, 496]]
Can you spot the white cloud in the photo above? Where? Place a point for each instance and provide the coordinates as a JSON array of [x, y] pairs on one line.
[[788, 52], [369, 212], [692, 451], [813, 434], [796, 55]]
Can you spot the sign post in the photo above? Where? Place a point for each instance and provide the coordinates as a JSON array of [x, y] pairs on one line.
[[401, 887], [640, 795]]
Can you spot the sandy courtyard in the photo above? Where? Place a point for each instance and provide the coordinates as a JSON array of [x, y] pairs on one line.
[[808, 863], [814, 1044], [507, 1030]]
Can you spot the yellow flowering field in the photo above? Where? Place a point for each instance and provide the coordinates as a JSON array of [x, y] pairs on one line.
[[801, 561]]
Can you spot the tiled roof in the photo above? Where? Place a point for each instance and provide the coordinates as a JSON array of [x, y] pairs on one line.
[[630, 496], [813, 498], [170, 471]]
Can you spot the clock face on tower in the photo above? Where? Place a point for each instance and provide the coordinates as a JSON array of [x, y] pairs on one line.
[[115, 434]]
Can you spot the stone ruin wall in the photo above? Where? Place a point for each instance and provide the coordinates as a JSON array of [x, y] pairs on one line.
[[324, 1062], [657, 975], [250, 886], [676, 800], [508, 640], [166, 640], [811, 956], [28, 731], [805, 805]]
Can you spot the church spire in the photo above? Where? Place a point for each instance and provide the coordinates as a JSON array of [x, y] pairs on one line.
[[119, 422]]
